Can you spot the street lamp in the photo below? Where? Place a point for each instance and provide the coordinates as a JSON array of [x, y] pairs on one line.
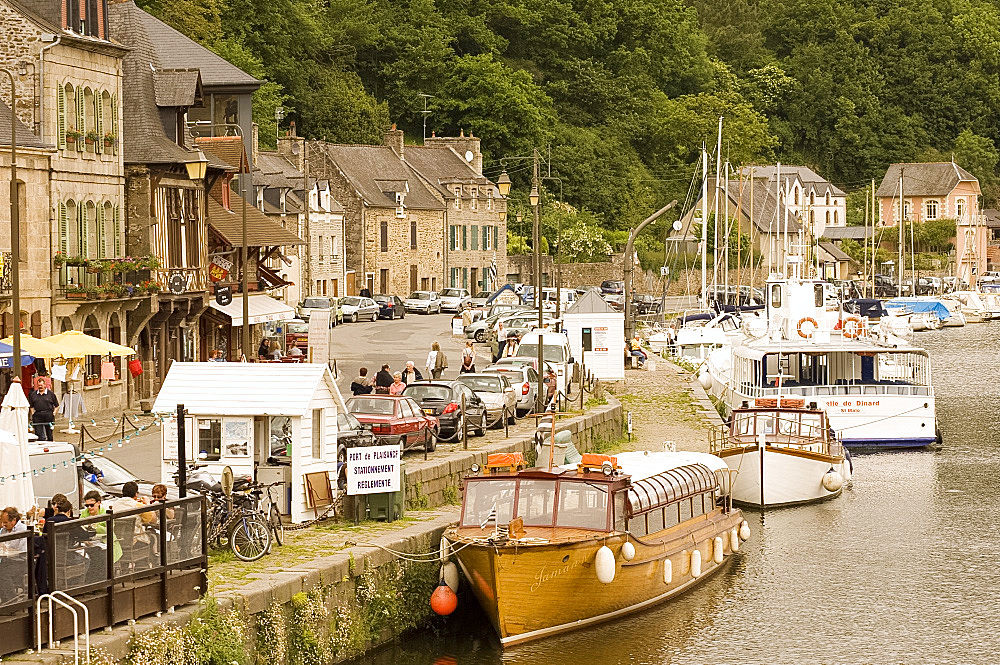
[[196, 168], [15, 231]]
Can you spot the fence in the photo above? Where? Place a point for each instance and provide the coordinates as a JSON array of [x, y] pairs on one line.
[[158, 559]]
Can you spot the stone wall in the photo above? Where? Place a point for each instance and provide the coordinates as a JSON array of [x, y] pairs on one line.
[[427, 257]]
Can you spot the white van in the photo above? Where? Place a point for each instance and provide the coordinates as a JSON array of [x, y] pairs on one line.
[[63, 479], [555, 350]]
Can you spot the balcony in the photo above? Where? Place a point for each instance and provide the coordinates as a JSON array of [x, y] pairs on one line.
[[106, 278]]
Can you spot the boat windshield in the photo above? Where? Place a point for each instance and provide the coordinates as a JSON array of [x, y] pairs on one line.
[[536, 502], [583, 505], [488, 501]]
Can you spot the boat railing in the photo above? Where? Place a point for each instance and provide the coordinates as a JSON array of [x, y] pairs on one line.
[[789, 433], [888, 388]]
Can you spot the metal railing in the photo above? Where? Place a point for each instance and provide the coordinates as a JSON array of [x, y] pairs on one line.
[[779, 432]]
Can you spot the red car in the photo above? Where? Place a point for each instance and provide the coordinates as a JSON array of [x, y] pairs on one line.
[[394, 419]]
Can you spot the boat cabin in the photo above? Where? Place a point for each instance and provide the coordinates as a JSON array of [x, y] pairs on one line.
[[784, 423], [672, 497]]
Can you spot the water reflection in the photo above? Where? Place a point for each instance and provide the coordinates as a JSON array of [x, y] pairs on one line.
[[900, 568]]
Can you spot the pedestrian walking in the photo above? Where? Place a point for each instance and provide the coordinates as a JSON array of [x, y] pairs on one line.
[[383, 379], [550, 381], [362, 385], [397, 386], [437, 362], [468, 359], [513, 342], [43, 403]]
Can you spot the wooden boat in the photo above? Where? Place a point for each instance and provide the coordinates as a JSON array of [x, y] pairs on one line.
[[783, 453], [549, 551]]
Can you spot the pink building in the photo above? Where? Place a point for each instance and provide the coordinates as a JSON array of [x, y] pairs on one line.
[[938, 190]]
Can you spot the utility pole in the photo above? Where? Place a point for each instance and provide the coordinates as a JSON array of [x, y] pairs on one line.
[[534, 200], [15, 234]]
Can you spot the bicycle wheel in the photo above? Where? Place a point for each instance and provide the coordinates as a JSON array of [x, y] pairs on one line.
[[277, 528], [251, 538]]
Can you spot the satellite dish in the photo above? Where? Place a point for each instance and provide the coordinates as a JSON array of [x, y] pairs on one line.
[[677, 225], [468, 155], [227, 480]]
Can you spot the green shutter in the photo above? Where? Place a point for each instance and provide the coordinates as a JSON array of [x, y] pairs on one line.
[[84, 239], [81, 122], [494, 237], [451, 230], [61, 108], [465, 238], [118, 232], [99, 121], [486, 237], [63, 230], [114, 121], [475, 236], [101, 253]]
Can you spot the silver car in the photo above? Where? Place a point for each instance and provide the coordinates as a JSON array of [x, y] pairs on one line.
[[423, 302], [497, 394], [454, 300], [524, 381], [356, 308]]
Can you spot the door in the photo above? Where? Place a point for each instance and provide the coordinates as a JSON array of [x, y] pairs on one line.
[[473, 284], [413, 278], [383, 280]]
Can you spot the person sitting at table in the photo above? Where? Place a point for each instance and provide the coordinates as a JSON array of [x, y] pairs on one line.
[[159, 493], [10, 522], [12, 552], [130, 499], [50, 506], [92, 508], [295, 352]]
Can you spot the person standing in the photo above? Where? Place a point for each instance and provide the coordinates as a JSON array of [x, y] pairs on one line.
[[397, 386], [513, 342], [383, 379], [362, 385], [43, 405], [411, 373], [468, 359], [437, 362]]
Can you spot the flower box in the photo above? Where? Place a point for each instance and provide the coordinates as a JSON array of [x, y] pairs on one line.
[[76, 295]]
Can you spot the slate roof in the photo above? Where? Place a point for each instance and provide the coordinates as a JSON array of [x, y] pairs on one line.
[[262, 231], [364, 165], [835, 252], [276, 171], [768, 212], [143, 139], [991, 218], [924, 179], [25, 137], [842, 232], [441, 166], [177, 87], [811, 181], [228, 149], [176, 51]]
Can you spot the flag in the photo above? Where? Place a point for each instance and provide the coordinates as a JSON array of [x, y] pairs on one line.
[[492, 517], [493, 273]]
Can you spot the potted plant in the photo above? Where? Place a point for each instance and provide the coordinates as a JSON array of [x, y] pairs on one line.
[[109, 140], [128, 264], [92, 380], [59, 259], [147, 262], [72, 136], [76, 293], [150, 286], [92, 137], [77, 261]]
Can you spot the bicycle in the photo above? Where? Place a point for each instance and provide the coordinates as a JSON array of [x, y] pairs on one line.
[[268, 506], [244, 527]]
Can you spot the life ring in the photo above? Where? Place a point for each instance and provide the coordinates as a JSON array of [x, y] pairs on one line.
[[807, 319], [852, 326]]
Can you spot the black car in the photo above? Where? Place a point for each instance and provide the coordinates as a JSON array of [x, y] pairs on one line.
[[444, 400], [645, 304], [351, 434], [389, 307], [612, 286]]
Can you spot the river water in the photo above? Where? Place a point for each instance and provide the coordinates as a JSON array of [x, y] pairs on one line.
[[901, 568]]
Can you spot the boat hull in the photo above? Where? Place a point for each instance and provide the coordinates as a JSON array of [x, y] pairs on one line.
[[533, 590], [790, 476]]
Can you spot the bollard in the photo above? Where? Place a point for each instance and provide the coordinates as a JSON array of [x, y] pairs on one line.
[[506, 423], [465, 425]]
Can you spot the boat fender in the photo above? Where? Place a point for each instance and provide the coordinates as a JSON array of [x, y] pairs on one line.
[[718, 549], [444, 549], [734, 540], [668, 571], [628, 551], [449, 575], [604, 562], [696, 563], [804, 320], [832, 481], [443, 600], [705, 379], [744, 531], [852, 326]]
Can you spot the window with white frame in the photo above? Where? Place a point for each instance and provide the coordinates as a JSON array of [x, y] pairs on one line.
[[932, 209], [474, 201], [960, 208], [458, 197], [318, 433]]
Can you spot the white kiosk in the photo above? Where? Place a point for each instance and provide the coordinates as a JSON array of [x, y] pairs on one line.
[[597, 336], [276, 422]]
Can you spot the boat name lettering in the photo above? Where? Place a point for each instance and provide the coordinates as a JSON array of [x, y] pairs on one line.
[[543, 575], [849, 403]]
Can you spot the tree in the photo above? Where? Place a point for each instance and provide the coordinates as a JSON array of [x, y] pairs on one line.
[[979, 156]]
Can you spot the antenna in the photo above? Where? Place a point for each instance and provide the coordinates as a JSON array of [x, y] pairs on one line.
[[425, 112]]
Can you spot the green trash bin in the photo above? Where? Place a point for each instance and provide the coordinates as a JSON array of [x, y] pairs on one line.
[[389, 506]]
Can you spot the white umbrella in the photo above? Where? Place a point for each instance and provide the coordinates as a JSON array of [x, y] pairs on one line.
[[19, 491]]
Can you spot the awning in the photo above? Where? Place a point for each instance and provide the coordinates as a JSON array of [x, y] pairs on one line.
[[262, 309]]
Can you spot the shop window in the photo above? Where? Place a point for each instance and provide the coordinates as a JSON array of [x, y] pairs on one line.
[[210, 438], [318, 432], [280, 435]]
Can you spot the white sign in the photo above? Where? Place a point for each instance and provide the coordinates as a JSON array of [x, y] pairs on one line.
[[457, 327], [507, 298], [374, 469], [599, 339], [169, 438], [236, 437], [319, 336]]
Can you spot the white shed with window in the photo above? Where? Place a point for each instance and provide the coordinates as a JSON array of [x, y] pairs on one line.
[[276, 422]]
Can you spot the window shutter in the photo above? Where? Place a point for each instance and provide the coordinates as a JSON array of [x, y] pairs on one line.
[[451, 230], [465, 237], [63, 230], [81, 123], [114, 122], [486, 237], [118, 232], [99, 121], [84, 240], [61, 108], [101, 253]]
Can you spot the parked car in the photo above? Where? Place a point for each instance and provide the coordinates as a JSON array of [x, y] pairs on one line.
[[612, 286], [390, 307], [990, 276], [616, 300], [351, 434], [645, 304], [496, 392], [520, 323], [313, 303], [357, 308], [454, 300], [555, 350], [479, 330], [522, 377], [394, 419], [424, 302], [443, 400], [479, 299]]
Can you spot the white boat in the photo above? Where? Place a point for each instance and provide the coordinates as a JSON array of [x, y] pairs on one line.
[[923, 313], [973, 305], [698, 337], [783, 453], [874, 386]]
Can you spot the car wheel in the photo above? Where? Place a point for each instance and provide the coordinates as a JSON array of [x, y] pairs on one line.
[[392, 315], [354, 317], [481, 429], [481, 335], [374, 317]]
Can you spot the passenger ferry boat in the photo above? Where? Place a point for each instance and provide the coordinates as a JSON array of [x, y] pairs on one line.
[[551, 550], [783, 452], [875, 387]]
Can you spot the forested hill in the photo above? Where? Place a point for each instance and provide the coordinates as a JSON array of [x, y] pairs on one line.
[[625, 91]]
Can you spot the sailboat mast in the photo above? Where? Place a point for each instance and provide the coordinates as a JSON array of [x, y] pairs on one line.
[[704, 224], [725, 255], [902, 221], [715, 222]]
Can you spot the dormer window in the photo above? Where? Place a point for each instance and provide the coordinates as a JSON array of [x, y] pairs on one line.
[[828, 198], [458, 197], [399, 198], [474, 202]]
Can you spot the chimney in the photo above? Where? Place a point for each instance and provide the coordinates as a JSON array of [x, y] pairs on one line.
[[465, 146], [293, 148], [394, 140]]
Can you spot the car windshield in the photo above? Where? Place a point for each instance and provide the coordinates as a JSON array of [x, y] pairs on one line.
[[549, 352], [353, 302], [482, 294], [382, 299], [483, 384], [421, 392], [298, 327], [379, 407], [111, 473], [420, 295], [318, 303], [451, 293]]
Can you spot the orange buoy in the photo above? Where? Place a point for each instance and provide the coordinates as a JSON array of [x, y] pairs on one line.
[[443, 600], [804, 320]]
